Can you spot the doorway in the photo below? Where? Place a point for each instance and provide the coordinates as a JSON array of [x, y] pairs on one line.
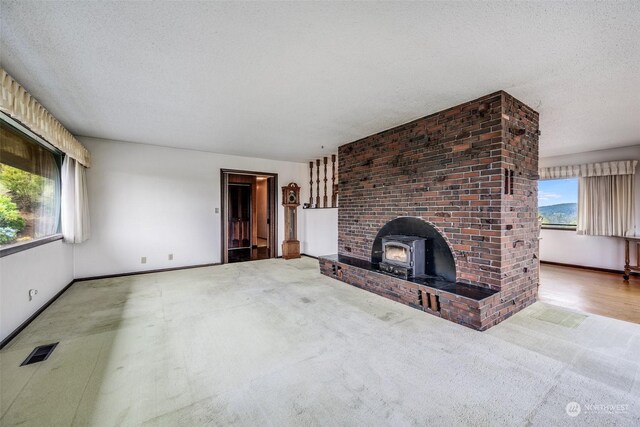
[[249, 221]]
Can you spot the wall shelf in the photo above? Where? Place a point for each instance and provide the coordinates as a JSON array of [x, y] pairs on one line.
[[314, 209]]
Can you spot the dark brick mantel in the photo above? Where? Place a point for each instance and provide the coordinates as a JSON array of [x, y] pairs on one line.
[[470, 171]]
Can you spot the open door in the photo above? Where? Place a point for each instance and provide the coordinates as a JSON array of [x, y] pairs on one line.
[[239, 217], [249, 208]]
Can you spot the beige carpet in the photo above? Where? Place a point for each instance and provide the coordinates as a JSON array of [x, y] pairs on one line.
[[275, 343]]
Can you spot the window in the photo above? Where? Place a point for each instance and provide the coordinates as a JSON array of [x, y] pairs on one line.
[[558, 203], [29, 188]]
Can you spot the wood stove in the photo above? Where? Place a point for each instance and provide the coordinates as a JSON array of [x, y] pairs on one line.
[[403, 256]]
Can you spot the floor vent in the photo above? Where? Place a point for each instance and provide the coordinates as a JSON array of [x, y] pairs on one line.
[[39, 354]]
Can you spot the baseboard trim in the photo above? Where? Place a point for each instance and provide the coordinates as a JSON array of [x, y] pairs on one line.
[[584, 267], [310, 256], [136, 273], [33, 317]]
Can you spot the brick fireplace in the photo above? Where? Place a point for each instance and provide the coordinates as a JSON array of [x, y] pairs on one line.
[[464, 179]]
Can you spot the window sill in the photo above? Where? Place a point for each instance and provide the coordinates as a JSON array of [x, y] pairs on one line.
[[558, 227], [19, 247]]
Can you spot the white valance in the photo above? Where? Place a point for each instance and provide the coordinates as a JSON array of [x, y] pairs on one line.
[[623, 167], [20, 105]]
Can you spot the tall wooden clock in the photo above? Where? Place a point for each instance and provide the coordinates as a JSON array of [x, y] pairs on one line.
[[290, 201]]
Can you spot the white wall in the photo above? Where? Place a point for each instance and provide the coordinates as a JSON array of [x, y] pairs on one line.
[[151, 201], [591, 251], [47, 268], [321, 232]]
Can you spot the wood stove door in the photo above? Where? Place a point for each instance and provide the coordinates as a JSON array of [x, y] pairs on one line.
[[397, 253]]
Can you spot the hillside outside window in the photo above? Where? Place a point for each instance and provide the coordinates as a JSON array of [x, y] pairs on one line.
[[29, 188], [558, 203]]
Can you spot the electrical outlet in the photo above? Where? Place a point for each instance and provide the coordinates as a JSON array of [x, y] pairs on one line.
[[217, 210], [170, 257], [32, 293], [143, 260]]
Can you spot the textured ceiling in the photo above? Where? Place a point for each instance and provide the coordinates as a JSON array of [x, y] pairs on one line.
[[281, 80]]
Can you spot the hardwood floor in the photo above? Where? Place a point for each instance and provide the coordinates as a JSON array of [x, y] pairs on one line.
[[591, 291]]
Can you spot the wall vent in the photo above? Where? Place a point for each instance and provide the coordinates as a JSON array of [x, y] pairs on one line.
[[39, 354], [509, 178], [429, 300]]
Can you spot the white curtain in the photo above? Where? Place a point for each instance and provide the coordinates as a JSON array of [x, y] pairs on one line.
[[48, 210], [75, 203], [606, 205]]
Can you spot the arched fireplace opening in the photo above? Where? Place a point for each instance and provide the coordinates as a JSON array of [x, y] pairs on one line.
[[411, 246]]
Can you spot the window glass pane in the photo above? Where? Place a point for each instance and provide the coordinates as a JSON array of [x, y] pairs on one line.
[[558, 201], [29, 189]]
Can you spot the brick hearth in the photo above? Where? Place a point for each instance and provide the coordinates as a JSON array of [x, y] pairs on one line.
[[469, 171]]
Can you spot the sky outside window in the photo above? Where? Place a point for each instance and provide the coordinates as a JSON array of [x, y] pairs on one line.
[[557, 191]]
